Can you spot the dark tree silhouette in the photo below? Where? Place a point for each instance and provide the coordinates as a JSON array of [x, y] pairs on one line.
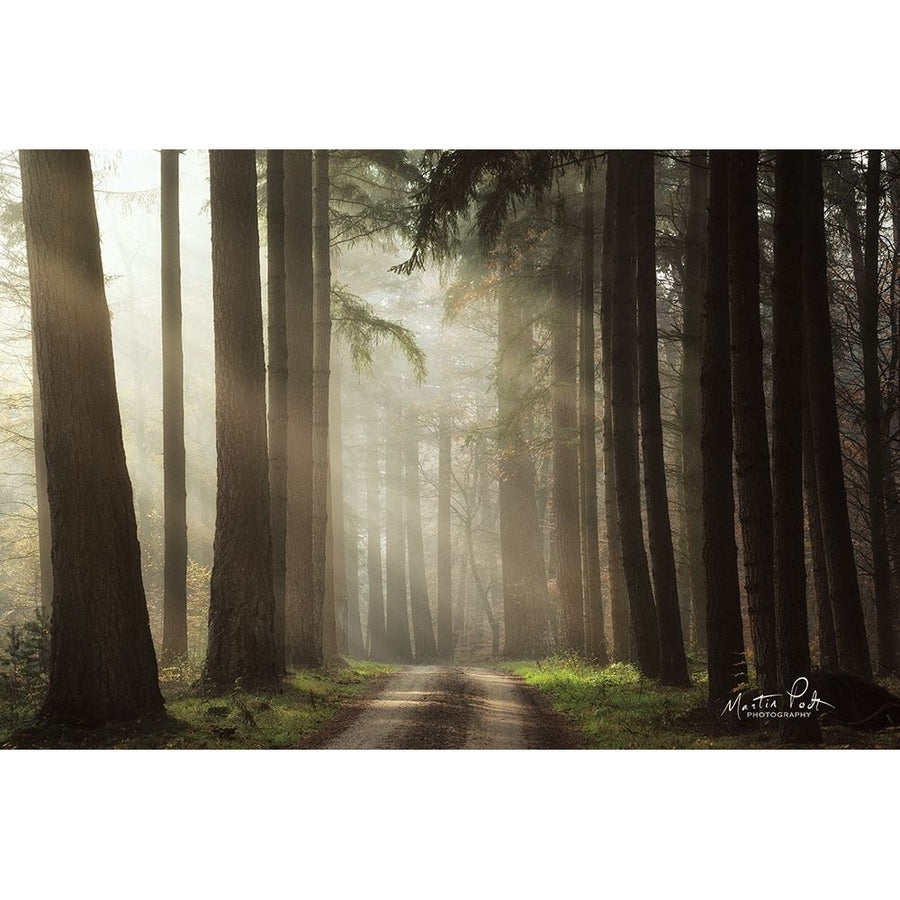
[[444, 548]]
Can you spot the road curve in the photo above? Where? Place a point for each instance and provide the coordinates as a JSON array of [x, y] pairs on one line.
[[450, 707]]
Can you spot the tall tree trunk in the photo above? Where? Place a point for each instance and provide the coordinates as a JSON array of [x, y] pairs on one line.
[[338, 545], [792, 630], [444, 549], [869, 301], [751, 442], [378, 645], [726, 661], [850, 631], [672, 661], [595, 635], [102, 662], [564, 428], [524, 575], [303, 615], [423, 627], [692, 469], [278, 362], [241, 605], [618, 598], [397, 613], [321, 487], [356, 648], [45, 561], [645, 635]]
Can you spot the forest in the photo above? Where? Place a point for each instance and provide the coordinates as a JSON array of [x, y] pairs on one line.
[[450, 448]]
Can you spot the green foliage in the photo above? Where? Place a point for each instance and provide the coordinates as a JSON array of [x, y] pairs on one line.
[[24, 670], [357, 323]]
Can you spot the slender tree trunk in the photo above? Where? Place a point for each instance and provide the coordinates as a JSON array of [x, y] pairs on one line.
[[618, 597], [423, 627], [102, 662], [692, 469], [241, 606], [751, 442], [564, 428], [672, 661], [321, 366], [645, 635], [355, 646], [792, 630], [378, 646], [303, 615], [524, 575], [726, 661], [850, 631], [45, 561], [869, 301], [278, 360], [595, 635], [397, 611], [445, 558], [337, 546]]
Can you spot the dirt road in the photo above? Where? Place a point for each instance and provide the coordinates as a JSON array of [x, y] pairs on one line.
[[443, 707]]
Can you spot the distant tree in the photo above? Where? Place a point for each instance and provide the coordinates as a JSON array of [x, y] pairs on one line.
[[672, 661], [726, 660], [396, 597], [751, 442], [103, 665], [378, 643], [444, 548], [242, 607], [644, 632], [850, 632], [175, 576]]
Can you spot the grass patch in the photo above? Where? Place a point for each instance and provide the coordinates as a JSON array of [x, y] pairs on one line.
[[248, 720], [615, 708]]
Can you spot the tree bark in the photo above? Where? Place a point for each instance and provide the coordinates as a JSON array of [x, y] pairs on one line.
[[751, 442], [644, 632], [303, 616], [726, 660], [850, 632], [792, 630], [672, 661], [337, 547], [423, 627], [397, 613], [102, 662], [445, 554], [564, 430], [595, 634], [692, 469], [378, 645], [241, 641], [278, 362], [618, 598]]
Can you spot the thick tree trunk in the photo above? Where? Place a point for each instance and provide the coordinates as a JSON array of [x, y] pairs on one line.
[[241, 606], [278, 362], [618, 597], [644, 632], [303, 616], [869, 301], [672, 661], [692, 469], [850, 631], [726, 660], [595, 634], [792, 630], [399, 647], [444, 548], [564, 429], [423, 627], [751, 442], [378, 645], [524, 575], [323, 597], [174, 643], [102, 662]]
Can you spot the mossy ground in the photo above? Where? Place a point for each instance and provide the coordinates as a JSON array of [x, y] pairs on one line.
[[241, 719], [615, 708]]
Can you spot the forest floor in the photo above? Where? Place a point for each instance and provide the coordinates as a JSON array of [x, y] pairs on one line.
[[615, 708]]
